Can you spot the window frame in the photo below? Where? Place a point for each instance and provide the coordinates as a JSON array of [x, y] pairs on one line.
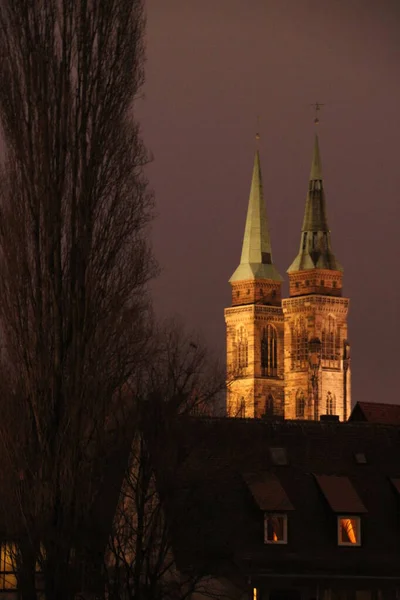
[[268, 515], [355, 518]]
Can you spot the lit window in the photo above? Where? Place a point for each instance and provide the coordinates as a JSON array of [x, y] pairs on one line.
[[8, 580], [275, 529], [349, 531], [255, 595]]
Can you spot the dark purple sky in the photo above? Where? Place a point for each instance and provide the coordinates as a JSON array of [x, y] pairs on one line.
[[213, 65]]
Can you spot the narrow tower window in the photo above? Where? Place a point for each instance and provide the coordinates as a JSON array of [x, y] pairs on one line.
[[269, 352], [242, 349], [330, 343], [299, 345], [269, 406], [330, 404], [300, 404], [241, 408]]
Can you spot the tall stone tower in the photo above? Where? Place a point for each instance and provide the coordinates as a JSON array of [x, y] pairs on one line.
[[317, 353], [254, 322]]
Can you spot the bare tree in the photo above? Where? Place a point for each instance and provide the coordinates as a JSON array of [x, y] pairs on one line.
[[181, 381], [74, 263]]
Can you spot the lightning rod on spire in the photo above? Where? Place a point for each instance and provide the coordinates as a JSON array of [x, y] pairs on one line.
[[317, 107], [258, 129]]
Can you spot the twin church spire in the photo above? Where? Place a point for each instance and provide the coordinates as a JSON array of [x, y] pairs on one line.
[[288, 357], [315, 243], [256, 259]]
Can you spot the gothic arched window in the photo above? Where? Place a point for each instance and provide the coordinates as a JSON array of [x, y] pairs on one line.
[[242, 358], [269, 352], [269, 406], [330, 404], [300, 404], [241, 408], [299, 344], [330, 342]]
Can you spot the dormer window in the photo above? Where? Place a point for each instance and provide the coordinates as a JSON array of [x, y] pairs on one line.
[[348, 506], [349, 531], [275, 528]]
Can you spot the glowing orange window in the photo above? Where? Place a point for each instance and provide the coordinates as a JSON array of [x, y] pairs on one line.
[[275, 530], [349, 531]]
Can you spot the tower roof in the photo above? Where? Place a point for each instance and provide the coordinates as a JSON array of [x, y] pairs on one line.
[[315, 244], [256, 259]]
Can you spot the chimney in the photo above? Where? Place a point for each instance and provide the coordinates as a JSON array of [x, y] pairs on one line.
[[332, 418]]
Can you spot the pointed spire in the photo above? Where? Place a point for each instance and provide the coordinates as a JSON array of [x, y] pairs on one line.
[[316, 167], [256, 258], [315, 245]]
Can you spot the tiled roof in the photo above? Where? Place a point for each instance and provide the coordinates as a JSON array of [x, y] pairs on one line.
[[268, 492], [376, 412], [216, 514], [340, 494]]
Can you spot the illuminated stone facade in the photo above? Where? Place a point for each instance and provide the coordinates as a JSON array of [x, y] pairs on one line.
[[254, 323], [255, 339], [288, 357], [317, 366]]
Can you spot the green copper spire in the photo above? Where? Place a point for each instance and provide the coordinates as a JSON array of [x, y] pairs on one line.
[[256, 259], [316, 167], [315, 245]]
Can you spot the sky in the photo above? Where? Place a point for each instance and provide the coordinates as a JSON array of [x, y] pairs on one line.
[[212, 67]]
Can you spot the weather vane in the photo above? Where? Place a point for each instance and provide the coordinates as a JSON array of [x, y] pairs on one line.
[[317, 106]]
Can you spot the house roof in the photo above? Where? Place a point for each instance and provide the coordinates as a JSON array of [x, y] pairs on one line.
[[268, 492], [216, 510], [340, 494], [376, 412]]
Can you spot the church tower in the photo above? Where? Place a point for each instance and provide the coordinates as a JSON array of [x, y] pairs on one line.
[[254, 322], [317, 353]]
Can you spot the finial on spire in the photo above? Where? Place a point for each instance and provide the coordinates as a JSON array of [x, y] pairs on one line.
[[317, 106], [258, 129]]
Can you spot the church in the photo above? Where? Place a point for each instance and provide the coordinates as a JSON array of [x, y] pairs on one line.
[[288, 357]]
